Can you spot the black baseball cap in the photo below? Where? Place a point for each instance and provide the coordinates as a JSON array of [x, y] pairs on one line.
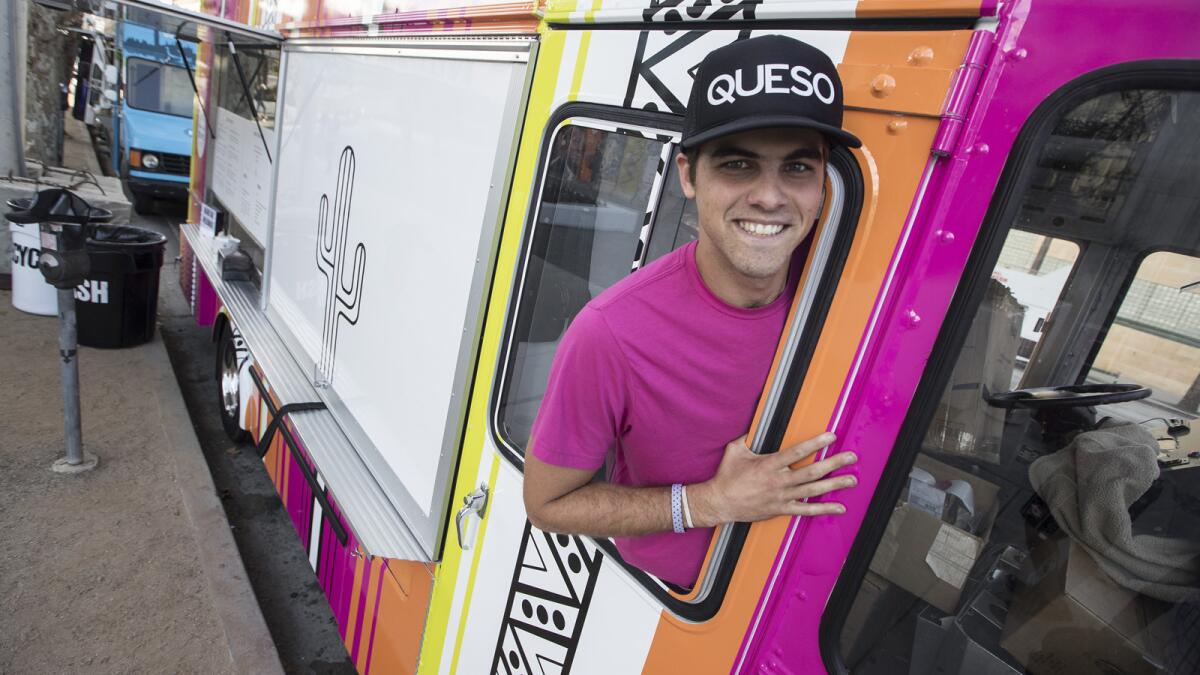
[[768, 81]]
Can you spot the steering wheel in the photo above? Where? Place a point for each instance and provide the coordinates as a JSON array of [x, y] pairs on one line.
[[1070, 396]]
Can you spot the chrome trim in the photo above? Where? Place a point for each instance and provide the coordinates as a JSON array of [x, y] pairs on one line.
[[501, 48], [808, 292], [268, 248]]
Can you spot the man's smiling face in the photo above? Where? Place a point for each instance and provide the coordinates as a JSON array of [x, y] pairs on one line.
[[758, 194]]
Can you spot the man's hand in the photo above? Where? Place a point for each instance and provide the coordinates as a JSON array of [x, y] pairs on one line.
[[747, 487], [750, 487]]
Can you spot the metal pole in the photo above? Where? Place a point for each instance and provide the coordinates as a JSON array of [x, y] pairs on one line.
[[67, 348], [76, 461]]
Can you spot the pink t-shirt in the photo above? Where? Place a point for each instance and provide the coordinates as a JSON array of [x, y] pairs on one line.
[[663, 374]]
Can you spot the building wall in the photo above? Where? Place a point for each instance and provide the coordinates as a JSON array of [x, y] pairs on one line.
[[49, 59]]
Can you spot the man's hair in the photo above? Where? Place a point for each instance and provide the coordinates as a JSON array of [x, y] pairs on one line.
[[692, 154]]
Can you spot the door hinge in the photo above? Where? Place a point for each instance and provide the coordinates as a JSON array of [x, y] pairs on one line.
[[962, 92]]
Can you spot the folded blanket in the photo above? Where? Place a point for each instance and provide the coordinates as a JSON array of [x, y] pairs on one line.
[[1090, 485]]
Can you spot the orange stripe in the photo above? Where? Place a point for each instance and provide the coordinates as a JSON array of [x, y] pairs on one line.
[[355, 589], [892, 162], [403, 606], [280, 456], [906, 8], [369, 615], [287, 471]]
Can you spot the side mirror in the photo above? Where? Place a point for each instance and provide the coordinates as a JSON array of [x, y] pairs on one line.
[[110, 95], [110, 73]]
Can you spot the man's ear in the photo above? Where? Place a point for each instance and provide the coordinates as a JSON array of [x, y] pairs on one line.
[[685, 176]]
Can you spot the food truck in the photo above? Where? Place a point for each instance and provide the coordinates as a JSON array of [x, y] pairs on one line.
[[428, 193]]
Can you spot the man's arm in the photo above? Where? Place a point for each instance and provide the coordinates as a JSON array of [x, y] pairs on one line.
[[561, 499], [747, 487]]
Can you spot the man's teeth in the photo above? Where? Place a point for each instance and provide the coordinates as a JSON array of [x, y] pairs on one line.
[[760, 229]]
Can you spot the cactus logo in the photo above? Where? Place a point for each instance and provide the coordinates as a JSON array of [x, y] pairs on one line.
[[343, 287]]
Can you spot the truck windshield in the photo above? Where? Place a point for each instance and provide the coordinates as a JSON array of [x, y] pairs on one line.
[[159, 88]]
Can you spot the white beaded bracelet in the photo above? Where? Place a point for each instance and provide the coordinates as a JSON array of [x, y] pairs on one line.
[[677, 508], [687, 510]]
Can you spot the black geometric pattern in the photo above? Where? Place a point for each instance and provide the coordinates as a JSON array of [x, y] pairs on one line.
[[547, 603], [664, 66]]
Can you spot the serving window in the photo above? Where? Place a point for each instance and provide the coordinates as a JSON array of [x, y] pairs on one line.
[[247, 80], [1045, 512]]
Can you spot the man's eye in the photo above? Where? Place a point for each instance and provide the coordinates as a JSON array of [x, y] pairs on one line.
[[736, 165], [798, 167]]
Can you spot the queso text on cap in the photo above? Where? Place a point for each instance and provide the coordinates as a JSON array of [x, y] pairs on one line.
[[763, 82]]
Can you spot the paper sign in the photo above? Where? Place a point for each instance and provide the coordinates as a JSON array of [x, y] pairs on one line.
[[926, 497], [963, 490], [208, 220], [952, 555]]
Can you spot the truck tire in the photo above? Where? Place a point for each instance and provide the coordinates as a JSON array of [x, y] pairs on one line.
[[228, 396]]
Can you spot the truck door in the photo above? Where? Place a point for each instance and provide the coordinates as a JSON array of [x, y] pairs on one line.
[[1038, 511], [605, 201]]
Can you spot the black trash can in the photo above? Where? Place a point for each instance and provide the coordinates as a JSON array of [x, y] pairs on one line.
[[117, 305]]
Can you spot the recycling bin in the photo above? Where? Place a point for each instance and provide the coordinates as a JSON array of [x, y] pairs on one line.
[[30, 291]]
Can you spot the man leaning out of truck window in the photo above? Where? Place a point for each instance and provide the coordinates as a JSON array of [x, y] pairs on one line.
[[666, 366]]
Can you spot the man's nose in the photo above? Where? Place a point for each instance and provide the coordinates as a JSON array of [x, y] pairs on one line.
[[767, 192]]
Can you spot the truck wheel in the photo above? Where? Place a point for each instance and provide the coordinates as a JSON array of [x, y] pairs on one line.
[[228, 397]]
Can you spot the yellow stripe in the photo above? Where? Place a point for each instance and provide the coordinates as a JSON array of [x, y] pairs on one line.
[[585, 41], [541, 97]]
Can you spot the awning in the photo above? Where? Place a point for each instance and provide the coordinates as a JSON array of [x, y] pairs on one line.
[[175, 20]]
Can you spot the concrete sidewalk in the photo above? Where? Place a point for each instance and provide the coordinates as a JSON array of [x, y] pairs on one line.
[[130, 568]]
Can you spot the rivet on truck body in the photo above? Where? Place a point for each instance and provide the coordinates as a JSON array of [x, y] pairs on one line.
[[910, 319], [919, 56], [882, 85], [945, 236], [897, 125]]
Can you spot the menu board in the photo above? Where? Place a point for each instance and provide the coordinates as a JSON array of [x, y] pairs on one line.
[[241, 176]]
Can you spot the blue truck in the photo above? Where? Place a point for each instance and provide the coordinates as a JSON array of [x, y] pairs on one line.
[[151, 132]]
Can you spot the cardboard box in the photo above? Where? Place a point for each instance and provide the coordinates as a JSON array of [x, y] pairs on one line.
[[1078, 620], [964, 424], [877, 608], [927, 556]]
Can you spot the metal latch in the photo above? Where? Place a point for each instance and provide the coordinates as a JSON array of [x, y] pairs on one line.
[[475, 502]]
